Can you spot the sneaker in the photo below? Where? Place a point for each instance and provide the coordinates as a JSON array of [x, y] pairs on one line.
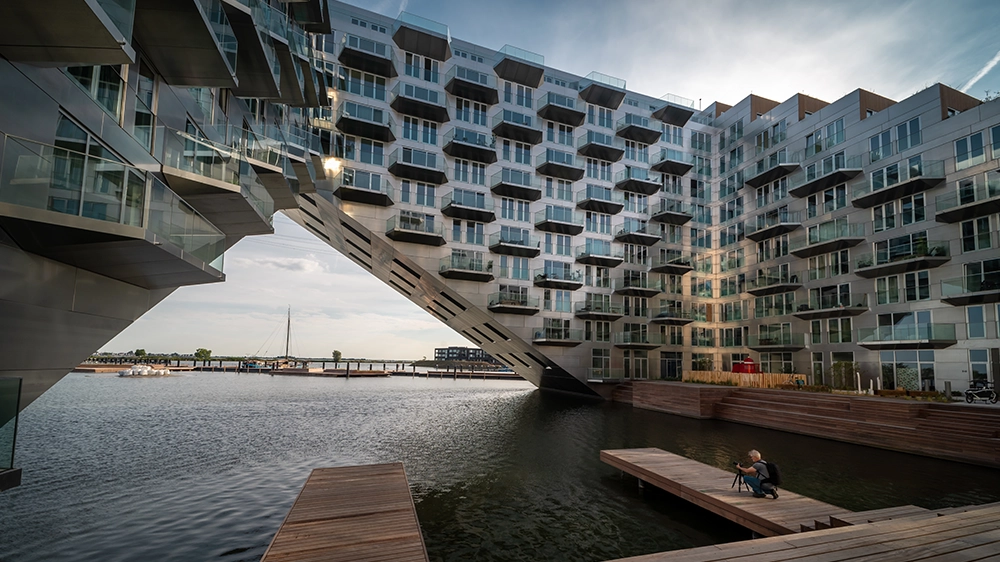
[[774, 493], [757, 495]]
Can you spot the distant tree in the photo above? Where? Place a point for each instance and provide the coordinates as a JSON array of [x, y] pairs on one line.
[[336, 356], [202, 354], [140, 352]]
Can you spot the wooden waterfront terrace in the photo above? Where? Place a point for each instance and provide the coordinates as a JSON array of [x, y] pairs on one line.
[[352, 513]]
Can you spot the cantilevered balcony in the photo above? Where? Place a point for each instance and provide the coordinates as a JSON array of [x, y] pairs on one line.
[[637, 287], [594, 144], [470, 205], [512, 303], [675, 110], [601, 89], [517, 126], [560, 220], [908, 336], [189, 42], [417, 101], [898, 180], [558, 278], [773, 282], [365, 121], [672, 316], [67, 32], [561, 337], [600, 199], [633, 231], [422, 36], [638, 128], [312, 15], [560, 108], [521, 66], [470, 145], [597, 310], [466, 268], [771, 224], [916, 255], [638, 180], [106, 217], [599, 253], [970, 202], [673, 162], [471, 84], [417, 165], [258, 71], [639, 340], [974, 288], [516, 184], [824, 175], [827, 237], [515, 244], [360, 186], [672, 262], [416, 230], [671, 211], [775, 166], [559, 164], [365, 54], [776, 342], [833, 306]]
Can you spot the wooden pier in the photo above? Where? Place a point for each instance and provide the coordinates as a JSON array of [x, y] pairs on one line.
[[353, 513]]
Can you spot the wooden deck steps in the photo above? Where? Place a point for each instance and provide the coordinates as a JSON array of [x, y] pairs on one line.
[[353, 513], [711, 488], [873, 515]]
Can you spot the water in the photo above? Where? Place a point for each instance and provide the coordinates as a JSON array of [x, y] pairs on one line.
[[205, 466]]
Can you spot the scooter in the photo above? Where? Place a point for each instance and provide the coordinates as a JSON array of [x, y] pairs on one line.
[[981, 390]]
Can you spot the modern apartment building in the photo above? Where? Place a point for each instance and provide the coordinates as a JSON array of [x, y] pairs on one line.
[[459, 353]]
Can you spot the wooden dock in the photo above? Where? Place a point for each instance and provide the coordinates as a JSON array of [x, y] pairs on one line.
[[353, 513]]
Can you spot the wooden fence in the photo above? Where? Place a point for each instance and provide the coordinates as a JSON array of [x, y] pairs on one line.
[[752, 380]]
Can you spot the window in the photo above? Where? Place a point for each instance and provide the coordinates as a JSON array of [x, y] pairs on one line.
[[361, 83], [513, 151], [559, 189], [701, 238], [673, 135], [673, 185], [559, 133], [908, 134], [969, 151], [514, 268], [636, 254], [776, 363], [421, 67], [473, 233], [600, 116], [976, 234], [470, 112], [597, 277], [423, 194], [816, 331], [880, 146], [598, 169], [556, 300], [558, 244], [517, 94], [600, 362], [976, 316], [515, 210], [103, 83], [910, 370], [732, 259], [840, 330], [884, 216], [636, 151], [635, 202], [701, 362], [701, 141], [597, 222], [911, 209], [887, 290], [918, 286], [827, 201], [470, 56], [835, 133], [700, 190], [979, 364]]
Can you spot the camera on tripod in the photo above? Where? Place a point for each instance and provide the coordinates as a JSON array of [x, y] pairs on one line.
[[736, 463]]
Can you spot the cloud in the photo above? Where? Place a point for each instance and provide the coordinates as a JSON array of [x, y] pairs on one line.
[[291, 264], [982, 72]]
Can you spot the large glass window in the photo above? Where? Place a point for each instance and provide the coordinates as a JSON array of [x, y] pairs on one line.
[[969, 151]]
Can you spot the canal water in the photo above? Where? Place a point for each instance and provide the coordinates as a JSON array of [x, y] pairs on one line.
[[204, 466]]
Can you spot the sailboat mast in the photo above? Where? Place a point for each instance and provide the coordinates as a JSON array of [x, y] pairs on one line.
[[288, 331]]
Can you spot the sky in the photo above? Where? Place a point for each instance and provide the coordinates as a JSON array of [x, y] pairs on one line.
[[710, 50]]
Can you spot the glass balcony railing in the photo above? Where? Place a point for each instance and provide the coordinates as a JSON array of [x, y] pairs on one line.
[[413, 157], [558, 274], [635, 227], [255, 193], [514, 177], [362, 44], [773, 278], [374, 115], [415, 21], [470, 199], [172, 218], [907, 332], [466, 263], [639, 338], [827, 232], [916, 249], [973, 283], [515, 239], [967, 195], [599, 373], [767, 220], [601, 249], [10, 403], [518, 53], [780, 158], [552, 98], [466, 136], [559, 214], [777, 340], [121, 13], [558, 157], [363, 179], [504, 298], [838, 300], [601, 78], [203, 157], [514, 118], [671, 155], [595, 307], [224, 36], [637, 120], [414, 224], [470, 75], [559, 334], [637, 283], [901, 173], [601, 139], [257, 147], [671, 259], [411, 91], [599, 193], [674, 312], [671, 206], [639, 174]]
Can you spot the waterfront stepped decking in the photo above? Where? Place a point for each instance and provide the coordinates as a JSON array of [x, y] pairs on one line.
[[711, 488], [352, 513]]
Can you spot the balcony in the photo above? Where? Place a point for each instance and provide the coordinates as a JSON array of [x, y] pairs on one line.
[[908, 336], [558, 164], [515, 183], [470, 145], [517, 126], [773, 167], [292, 87], [600, 199], [638, 340], [562, 278], [829, 237], [88, 32], [813, 180], [673, 162], [312, 15], [414, 230], [600, 254], [419, 102], [365, 121], [970, 203], [594, 144], [417, 165], [367, 55], [636, 232], [559, 220], [466, 268], [914, 256], [599, 311], [561, 337], [671, 211], [638, 128], [675, 111], [515, 245], [833, 306], [773, 283], [422, 36], [601, 89], [637, 287], [976, 288], [906, 181], [561, 109], [774, 223], [519, 65], [598, 374], [359, 186], [776, 342], [314, 94], [638, 180], [512, 303], [469, 205], [673, 316], [258, 71], [672, 263], [471, 84]]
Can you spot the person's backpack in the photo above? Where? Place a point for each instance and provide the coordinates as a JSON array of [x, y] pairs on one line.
[[773, 474]]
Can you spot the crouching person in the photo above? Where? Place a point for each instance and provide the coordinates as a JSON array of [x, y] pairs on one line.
[[757, 477]]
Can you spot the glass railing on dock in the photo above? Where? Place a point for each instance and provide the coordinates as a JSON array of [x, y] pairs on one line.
[[671, 155], [417, 93], [673, 312], [413, 157], [639, 338], [637, 283], [775, 278], [602, 139], [515, 118], [637, 120], [670, 259], [518, 53], [827, 232], [767, 220], [374, 115]]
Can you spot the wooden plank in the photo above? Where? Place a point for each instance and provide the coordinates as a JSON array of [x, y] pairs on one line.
[[351, 513]]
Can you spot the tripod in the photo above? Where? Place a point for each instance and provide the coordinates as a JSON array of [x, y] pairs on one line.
[[738, 482]]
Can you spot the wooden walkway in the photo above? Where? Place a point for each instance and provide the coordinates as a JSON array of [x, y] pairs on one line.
[[710, 488], [353, 513]]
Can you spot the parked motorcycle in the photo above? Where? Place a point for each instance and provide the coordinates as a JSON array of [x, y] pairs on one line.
[[981, 390]]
